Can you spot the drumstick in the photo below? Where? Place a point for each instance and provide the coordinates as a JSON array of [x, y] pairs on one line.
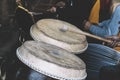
[[97, 37], [65, 28], [93, 36]]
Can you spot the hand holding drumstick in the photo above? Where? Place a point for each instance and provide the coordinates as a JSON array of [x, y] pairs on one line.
[[115, 41], [111, 41]]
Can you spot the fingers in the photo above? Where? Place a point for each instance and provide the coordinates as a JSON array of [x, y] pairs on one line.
[[52, 10], [114, 44], [87, 25], [60, 4], [113, 37]]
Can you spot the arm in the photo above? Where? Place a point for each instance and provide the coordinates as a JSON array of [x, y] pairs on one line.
[[100, 31], [104, 23], [96, 29], [106, 28], [109, 28]]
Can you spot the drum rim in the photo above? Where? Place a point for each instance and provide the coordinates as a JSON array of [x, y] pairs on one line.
[[52, 73]]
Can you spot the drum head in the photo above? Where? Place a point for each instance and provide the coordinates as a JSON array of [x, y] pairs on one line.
[[51, 61], [50, 31]]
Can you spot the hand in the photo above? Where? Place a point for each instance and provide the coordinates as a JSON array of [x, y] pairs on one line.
[[115, 40], [87, 25], [19, 2], [52, 9], [60, 4]]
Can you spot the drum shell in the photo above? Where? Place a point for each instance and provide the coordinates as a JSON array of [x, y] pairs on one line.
[[26, 73]]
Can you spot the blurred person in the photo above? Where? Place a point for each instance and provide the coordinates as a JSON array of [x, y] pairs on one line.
[[108, 27]]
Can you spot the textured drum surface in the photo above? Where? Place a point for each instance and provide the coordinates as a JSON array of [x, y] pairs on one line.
[[53, 32], [51, 60]]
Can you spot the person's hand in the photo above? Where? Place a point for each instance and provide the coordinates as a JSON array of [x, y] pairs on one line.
[[52, 9], [60, 4], [114, 41], [87, 25], [19, 2]]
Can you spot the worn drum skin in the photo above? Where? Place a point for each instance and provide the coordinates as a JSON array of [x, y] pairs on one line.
[[57, 32], [51, 61]]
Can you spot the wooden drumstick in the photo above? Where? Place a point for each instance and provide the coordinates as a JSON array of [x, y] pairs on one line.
[[97, 37], [65, 28]]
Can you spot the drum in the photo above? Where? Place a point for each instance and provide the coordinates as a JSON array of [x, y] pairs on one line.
[[56, 32], [51, 61]]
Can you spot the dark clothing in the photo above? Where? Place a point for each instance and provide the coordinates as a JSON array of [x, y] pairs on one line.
[[110, 72], [104, 9], [7, 8], [75, 11], [96, 56]]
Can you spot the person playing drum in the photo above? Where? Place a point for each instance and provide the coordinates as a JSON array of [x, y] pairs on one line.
[[108, 27], [96, 56], [72, 11]]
